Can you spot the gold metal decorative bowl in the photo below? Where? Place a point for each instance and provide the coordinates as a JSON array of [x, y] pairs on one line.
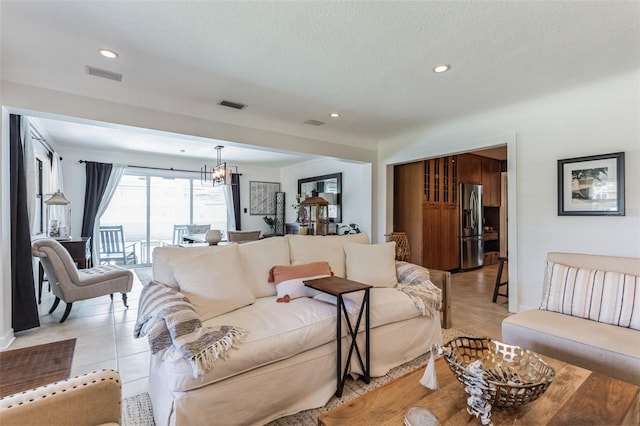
[[512, 376]]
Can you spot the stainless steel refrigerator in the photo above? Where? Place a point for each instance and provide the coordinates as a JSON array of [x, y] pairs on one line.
[[471, 238]]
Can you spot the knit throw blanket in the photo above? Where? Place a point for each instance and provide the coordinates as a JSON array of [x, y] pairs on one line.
[[171, 325], [415, 282]]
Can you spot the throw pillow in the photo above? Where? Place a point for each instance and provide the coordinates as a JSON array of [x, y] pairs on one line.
[[329, 248], [215, 282], [373, 264], [603, 296], [289, 279], [258, 258]]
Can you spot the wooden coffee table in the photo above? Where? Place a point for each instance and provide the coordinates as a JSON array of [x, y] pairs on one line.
[[576, 396]]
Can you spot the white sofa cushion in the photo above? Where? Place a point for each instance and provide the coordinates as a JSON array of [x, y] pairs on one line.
[[163, 256], [259, 257], [372, 264], [603, 296], [388, 305], [603, 348], [214, 282], [307, 248], [275, 331]]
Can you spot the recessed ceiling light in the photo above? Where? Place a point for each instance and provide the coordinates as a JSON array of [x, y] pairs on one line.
[[442, 68], [108, 53], [334, 114]]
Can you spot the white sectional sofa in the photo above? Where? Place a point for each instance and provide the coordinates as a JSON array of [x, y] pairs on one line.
[[287, 361], [589, 315]]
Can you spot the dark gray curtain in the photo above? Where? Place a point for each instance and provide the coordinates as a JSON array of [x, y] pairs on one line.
[[235, 192], [24, 310], [97, 179]]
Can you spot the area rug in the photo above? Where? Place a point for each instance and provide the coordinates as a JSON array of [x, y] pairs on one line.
[[137, 410], [27, 368]]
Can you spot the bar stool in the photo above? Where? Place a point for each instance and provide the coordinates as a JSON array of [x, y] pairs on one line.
[[499, 283]]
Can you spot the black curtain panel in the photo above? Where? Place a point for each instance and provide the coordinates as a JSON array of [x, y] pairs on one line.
[[97, 179], [24, 310], [235, 191]]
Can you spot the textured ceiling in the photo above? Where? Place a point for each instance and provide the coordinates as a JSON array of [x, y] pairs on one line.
[[293, 61]]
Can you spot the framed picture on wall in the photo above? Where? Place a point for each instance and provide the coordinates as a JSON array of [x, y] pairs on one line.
[[591, 186], [262, 197]]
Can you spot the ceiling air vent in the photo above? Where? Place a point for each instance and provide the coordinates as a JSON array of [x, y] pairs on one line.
[[104, 73], [314, 122], [234, 105]]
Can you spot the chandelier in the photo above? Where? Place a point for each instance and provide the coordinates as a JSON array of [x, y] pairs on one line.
[[218, 173]]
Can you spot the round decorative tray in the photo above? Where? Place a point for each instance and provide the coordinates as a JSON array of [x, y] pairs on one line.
[[514, 376]]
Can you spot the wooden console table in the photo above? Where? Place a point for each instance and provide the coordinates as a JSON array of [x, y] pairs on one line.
[[337, 287], [80, 251]]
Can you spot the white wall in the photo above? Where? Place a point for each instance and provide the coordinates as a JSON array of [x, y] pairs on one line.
[[356, 188], [75, 178], [599, 118]]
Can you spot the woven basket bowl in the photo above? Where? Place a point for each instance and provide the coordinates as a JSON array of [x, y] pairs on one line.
[[533, 370]]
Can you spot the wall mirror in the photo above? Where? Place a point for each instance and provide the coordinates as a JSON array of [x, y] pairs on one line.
[[328, 187]]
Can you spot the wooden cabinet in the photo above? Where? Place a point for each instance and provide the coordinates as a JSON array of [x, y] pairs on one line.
[[490, 182], [408, 196], [469, 168], [425, 208], [440, 236]]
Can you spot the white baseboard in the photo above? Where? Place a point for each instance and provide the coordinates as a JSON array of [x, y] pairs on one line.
[[523, 308], [7, 340]]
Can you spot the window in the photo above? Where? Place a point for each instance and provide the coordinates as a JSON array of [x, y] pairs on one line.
[[150, 205]]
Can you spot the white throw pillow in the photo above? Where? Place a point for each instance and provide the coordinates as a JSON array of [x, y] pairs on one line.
[[215, 282], [329, 248], [373, 264], [258, 257], [295, 287]]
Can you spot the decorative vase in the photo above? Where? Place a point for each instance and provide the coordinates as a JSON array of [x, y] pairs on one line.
[[213, 236]]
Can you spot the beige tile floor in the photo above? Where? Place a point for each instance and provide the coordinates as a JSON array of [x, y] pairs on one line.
[[104, 336], [104, 329]]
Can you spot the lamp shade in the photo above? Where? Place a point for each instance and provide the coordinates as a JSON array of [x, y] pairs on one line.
[[57, 199], [58, 216]]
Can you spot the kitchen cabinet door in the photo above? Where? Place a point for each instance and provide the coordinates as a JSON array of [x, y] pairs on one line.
[[440, 236], [469, 169], [490, 182]]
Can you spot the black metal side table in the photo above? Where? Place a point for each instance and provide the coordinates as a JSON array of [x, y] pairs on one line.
[[337, 286]]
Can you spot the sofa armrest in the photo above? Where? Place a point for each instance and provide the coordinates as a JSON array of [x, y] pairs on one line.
[[410, 273], [442, 279], [89, 399]]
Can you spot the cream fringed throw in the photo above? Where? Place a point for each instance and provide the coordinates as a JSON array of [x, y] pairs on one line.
[[415, 281], [169, 321]]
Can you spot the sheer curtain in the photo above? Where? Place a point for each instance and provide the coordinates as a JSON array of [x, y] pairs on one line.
[[29, 155], [114, 179]]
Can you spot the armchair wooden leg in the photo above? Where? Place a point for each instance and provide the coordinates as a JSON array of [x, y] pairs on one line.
[[55, 305], [67, 310], [124, 299]]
